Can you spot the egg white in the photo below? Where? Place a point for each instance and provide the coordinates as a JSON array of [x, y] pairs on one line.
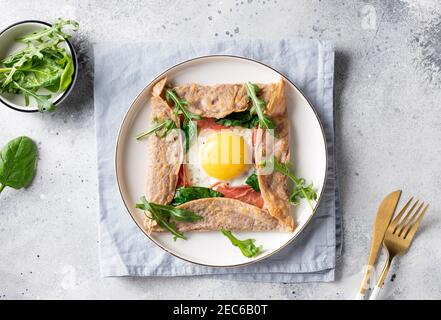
[[197, 175]]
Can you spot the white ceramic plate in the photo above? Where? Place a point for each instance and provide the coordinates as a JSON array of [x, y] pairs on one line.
[[8, 45], [308, 150]]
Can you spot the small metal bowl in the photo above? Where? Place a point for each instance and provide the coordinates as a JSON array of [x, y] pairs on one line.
[[8, 45]]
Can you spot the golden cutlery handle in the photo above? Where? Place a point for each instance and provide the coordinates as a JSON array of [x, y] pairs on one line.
[[375, 293], [359, 296], [383, 275], [364, 282]]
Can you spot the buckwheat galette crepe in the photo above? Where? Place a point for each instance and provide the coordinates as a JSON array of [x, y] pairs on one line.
[[211, 151]]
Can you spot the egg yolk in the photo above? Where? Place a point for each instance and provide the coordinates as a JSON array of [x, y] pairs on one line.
[[225, 156]]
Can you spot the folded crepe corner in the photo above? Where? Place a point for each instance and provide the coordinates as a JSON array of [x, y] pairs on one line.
[[164, 155], [225, 213]]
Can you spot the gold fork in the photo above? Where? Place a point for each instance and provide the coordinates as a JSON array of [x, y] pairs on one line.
[[399, 236]]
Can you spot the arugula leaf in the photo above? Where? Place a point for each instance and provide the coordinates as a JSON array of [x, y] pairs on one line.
[[160, 128], [185, 194], [180, 105], [253, 182], [160, 219], [189, 126], [301, 190], [172, 212], [53, 73], [18, 161], [176, 213], [247, 246], [19, 59], [165, 214], [190, 130], [43, 102], [258, 106], [240, 119], [42, 64], [52, 32]]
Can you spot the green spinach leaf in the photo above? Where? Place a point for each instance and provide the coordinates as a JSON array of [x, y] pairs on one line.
[[185, 194], [66, 76], [239, 119], [253, 182], [18, 161]]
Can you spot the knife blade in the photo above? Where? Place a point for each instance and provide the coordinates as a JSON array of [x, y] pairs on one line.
[[382, 220]]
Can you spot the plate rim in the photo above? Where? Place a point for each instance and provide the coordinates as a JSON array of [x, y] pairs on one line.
[[155, 79]]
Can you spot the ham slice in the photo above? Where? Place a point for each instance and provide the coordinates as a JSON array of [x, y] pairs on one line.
[[183, 180], [242, 193], [210, 123]]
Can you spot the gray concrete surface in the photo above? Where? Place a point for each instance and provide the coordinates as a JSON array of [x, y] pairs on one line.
[[388, 122]]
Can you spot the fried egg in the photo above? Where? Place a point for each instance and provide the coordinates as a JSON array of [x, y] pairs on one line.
[[220, 156]]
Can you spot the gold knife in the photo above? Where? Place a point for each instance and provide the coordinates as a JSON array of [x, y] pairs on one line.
[[382, 221]]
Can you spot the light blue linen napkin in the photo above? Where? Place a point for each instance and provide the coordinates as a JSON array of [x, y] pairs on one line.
[[121, 71]]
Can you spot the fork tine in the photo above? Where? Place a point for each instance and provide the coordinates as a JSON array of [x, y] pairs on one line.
[[395, 221], [415, 216], [414, 227], [401, 223], [406, 224]]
